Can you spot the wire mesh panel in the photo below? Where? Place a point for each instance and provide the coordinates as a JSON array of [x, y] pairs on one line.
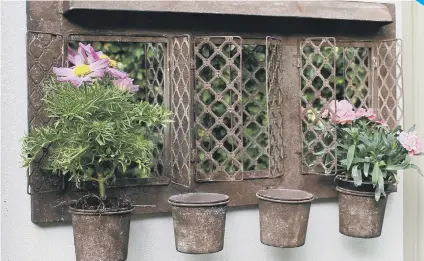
[[389, 81], [180, 79], [156, 93], [357, 87], [318, 89], [218, 108], [44, 51], [274, 83], [255, 113]]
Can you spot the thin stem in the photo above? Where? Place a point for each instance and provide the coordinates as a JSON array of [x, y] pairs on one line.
[[101, 180]]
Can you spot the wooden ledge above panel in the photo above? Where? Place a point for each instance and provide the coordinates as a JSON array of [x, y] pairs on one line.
[[336, 10]]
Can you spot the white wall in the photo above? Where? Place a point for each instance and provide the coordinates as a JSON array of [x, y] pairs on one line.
[[152, 237], [413, 41]]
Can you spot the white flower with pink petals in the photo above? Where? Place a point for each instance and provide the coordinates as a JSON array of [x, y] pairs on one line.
[[410, 141]]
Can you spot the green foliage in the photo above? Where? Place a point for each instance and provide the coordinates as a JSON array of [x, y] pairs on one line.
[[366, 146], [98, 131]]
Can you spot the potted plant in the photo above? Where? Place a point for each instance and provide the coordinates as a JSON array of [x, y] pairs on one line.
[[369, 154], [98, 130]]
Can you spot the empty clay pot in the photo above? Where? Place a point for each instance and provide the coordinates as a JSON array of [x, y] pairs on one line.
[[284, 215], [101, 236], [199, 222], [360, 215]]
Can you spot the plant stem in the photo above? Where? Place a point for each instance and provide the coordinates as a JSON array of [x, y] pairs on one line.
[[101, 180]]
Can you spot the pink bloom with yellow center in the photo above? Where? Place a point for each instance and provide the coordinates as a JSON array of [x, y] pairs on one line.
[[81, 72], [126, 84], [410, 141], [94, 56]]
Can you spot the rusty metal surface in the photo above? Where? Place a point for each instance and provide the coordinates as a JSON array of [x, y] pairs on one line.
[[284, 218], [198, 199], [360, 215], [46, 17], [275, 105], [181, 104], [218, 132], [389, 81], [43, 52], [199, 222], [318, 89], [346, 10], [101, 237]]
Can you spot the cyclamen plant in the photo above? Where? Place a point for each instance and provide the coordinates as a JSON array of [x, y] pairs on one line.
[[98, 129], [367, 149]]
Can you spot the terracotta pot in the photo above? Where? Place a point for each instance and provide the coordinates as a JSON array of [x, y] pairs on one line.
[[199, 222], [360, 215], [101, 236], [284, 215]]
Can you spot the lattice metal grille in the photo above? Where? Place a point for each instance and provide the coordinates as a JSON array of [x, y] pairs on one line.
[[155, 94], [389, 81], [180, 57], [44, 51], [255, 114], [275, 105], [317, 75], [219, 108], [356, 68]]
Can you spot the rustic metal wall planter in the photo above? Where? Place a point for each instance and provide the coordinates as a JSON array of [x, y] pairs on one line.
[[360, 215], [238, 51], [101, 236], [199, 222], [284, 215]]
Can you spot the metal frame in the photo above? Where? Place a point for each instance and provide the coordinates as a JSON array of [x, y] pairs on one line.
[[47, 18]]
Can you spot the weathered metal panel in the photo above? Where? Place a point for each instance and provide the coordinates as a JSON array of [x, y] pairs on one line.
[[339, 10], [388, 63], [219, 119], [44, 50], [318, 89], [275, 105], [181, 106], [151, 196]]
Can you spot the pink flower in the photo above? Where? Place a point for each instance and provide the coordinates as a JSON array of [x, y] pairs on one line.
[[340, 112], [126, 84], [81, 72], [344, 117], [94, 56], [361, 112], [410, 141], [383, 123]]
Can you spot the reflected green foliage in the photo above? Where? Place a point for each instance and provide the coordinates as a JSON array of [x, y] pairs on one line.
[[144, 62], [220, 97], [345, 68]]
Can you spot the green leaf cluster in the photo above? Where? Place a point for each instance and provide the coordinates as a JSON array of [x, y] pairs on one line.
[[370, 152], [97, 131]]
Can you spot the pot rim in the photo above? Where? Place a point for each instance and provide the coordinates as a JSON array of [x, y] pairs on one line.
[[357, 193], [341, 178], [108, 212], [189, 200], [308, 197]]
